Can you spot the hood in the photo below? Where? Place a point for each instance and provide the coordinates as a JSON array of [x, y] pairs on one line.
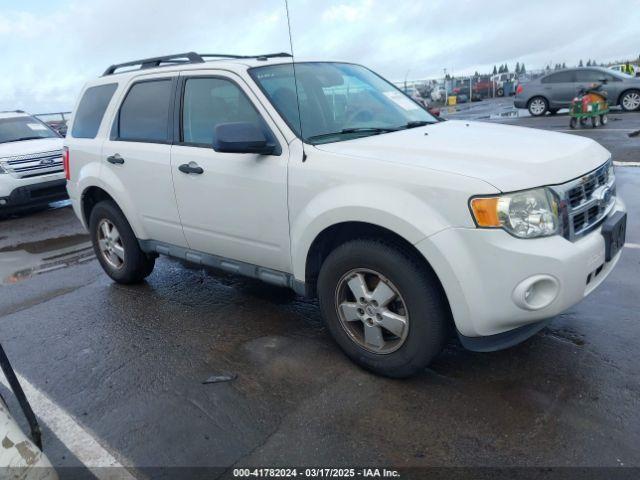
[[509, 158], [27, 147]]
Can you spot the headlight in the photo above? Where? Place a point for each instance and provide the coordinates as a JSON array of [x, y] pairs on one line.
[[526, 214]]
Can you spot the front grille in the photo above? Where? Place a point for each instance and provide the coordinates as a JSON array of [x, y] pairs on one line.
[[33, 165], [586, 201]]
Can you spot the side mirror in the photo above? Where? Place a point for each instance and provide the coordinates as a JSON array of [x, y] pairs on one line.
[[241, 137]]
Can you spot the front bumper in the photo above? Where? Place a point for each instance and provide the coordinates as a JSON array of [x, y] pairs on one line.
[[482, 270], [34, 194]]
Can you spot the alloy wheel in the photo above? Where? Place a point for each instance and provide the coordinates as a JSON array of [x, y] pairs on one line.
[[110, 244], [372, 311], [631, 101], [537, 106]]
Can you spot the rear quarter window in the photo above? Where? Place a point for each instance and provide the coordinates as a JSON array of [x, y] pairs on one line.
[[91, 109]]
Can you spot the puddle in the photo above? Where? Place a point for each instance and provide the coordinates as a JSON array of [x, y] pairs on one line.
[[48, 245], [21, 262]]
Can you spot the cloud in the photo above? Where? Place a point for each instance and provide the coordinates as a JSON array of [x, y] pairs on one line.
[[48, 53]]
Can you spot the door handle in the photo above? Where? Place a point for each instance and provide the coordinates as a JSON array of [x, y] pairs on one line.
[[191, 167], [115, 159]]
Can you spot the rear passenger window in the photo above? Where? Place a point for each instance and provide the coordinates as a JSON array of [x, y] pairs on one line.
[[560, 77], [91, 109], [144, 115]]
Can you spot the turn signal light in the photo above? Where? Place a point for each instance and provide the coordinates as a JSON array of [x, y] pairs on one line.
[[485, 211]]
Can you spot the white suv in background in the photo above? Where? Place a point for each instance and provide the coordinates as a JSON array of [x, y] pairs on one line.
[[31, 170], [405, 228]]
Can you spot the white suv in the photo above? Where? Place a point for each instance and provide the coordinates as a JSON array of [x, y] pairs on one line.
[[404, 227], [31, 171]]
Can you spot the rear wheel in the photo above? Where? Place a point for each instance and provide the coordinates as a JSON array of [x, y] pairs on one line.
[[538, 106], [116, 246], [604, 119], [595, 121], [382, 307], [500, 92], [630, 101], [573, 123]]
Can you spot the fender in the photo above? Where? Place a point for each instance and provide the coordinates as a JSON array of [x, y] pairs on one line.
[[389, 208], [110, 183]]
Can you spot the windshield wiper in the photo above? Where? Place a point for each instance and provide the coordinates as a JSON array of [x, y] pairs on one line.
[[418, 123], [369, 129], [344, 131], [21, 139]]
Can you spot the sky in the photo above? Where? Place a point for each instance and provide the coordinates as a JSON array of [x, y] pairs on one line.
[[51, 48]]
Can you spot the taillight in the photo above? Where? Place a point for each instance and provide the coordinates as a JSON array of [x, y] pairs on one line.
[[65, 162], [519, 90]]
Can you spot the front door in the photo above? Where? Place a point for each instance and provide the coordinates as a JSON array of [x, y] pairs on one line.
[[231, 205]]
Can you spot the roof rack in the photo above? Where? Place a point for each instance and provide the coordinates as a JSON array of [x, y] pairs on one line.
[[184, 58]]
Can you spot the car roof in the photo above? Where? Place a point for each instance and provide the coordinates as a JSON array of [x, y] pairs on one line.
[[234, 65], [13, 114]]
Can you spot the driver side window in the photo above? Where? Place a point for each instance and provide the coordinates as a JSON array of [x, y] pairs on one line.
[[208, 102]]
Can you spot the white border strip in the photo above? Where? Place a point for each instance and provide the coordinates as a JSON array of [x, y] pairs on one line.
[[627, 164], [74, 437]]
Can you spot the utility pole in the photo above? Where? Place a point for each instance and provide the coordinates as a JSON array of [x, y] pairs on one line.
[[446, 96]]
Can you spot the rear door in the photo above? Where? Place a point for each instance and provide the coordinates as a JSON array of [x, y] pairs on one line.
[[560, 87], [137, 156], [236, 207]]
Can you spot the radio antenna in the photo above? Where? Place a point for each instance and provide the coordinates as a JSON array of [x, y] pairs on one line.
[[295, 78]]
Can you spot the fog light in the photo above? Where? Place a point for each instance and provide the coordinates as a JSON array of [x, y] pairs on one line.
[[3, 201], [536, 292]]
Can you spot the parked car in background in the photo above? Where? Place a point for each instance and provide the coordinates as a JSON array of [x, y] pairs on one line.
[[502, 80], [556, 90], [57, 121], [406, 229], [31, 170], [622, 68]]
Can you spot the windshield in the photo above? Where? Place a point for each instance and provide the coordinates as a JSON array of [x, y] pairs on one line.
[[16, 129], [338, 101]]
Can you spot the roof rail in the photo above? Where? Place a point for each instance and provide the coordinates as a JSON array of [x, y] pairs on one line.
[[188, 57]]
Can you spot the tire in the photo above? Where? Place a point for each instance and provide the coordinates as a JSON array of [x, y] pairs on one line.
[[604, 119], [500, 92], [630, 101], [125, 263], [538, 106], [418, 298], [573, 123], [595, 121]]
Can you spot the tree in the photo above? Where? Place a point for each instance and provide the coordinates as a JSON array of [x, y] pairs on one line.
[[522, 70], [495, 70], [548, 68], [564, 65], [580, 64], [506, 68], [517, 67]]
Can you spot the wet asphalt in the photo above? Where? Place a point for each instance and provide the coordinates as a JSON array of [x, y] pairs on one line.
[[128, 364]]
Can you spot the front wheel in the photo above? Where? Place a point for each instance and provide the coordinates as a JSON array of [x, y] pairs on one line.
[[384, 309], [116, 246], [630, 101], [573, 123], [538, 106], [604, 119], [595, 121]]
